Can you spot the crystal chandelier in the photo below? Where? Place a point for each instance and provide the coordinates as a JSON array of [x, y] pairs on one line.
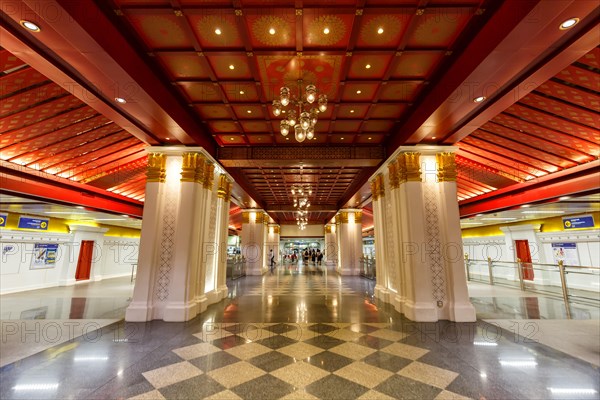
[[300, 194], [301, 115]]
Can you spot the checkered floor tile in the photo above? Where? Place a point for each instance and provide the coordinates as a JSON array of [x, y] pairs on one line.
[[300, 361], [281, 284]]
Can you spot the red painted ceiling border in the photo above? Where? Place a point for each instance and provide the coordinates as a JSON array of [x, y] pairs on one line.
[[581, 180]]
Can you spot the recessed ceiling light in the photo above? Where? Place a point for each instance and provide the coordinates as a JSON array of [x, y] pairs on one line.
[[249, 111], [370, 138], [326, 31], [230, 138], [358, 91], [433, 137], [571, 22], [478, 99], [242, 92], [342, 138], [30, 25], [564, 198], [351, 111], [120, 100], [380, 31], [368, 66], [231, 66], [272, 31], [287, 138], [167, 138], [525, 206], [218, 31]]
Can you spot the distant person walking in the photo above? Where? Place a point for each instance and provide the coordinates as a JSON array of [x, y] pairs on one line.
[[272, 261]]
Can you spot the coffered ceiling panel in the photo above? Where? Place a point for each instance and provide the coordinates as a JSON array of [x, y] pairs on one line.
[[390, 70]]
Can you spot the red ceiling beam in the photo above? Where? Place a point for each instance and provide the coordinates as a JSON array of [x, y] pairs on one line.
[[19, 181], [520, 34], [580, 180], [99, 58]]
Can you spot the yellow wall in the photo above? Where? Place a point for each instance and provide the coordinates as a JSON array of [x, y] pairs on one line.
[[59, 225], [551, 224]]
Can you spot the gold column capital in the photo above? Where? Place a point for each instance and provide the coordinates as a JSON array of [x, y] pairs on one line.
[[413, 166], [380, 185], [401, 165], [327, 228], [446, 163], [188, 167], [223, 190], [343, 217], [199, 171], [393, 174], [374, 191], [209, 169], [156, 171], [358, 217]]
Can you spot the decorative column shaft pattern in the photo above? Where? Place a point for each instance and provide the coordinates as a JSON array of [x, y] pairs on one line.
[[349, 235], [185, 223], [420, 218]]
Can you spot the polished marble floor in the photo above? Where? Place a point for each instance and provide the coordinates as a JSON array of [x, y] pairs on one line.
[[298, 336]]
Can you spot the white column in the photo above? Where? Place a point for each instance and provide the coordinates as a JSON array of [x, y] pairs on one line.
[[331, 246], [379, 222], [350, 241], [182, 222], [272, 242], [181, 305], [428, 276], [224, 195], [253, 241], [141, 307]]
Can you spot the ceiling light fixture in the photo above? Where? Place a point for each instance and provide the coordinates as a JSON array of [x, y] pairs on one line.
[[272, 31], [218, 31], [478, 99], [380, 31], [232, 66], [568, 24], [303, 120], [30, 26], [326, 31], [358, 91], [368, 66], [120, 100]]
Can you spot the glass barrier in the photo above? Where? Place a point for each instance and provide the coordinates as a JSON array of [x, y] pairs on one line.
[[572, 283], [236, 266]]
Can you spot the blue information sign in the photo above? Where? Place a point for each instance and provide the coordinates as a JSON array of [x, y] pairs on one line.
[[3, 218], [40, 224], [585, 221]]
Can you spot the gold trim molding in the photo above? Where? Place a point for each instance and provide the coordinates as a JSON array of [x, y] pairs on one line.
[[393, 174], [446, 163], [223, 190], [156, 171], [413, 166], [209, 169], [199, 170], [188, 167]]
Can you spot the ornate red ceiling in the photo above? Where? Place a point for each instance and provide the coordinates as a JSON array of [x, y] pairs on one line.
[[205, 72]]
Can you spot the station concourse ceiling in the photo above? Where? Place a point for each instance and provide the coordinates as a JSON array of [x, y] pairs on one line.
[[205, 72]]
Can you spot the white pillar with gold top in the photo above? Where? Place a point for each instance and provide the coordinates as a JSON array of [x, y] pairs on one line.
[[224, 196], [349, 232], [253, 239], [170, 282], [379, 222], [331, 247], [272, 242], [428, 272]]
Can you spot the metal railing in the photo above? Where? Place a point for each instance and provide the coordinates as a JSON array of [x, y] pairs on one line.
[[571, 282], [367, 267], [236, 266]]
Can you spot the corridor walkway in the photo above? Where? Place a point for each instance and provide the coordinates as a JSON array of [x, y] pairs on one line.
[[300, 336]]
